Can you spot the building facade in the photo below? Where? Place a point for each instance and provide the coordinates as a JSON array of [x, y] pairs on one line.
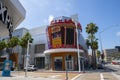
[[38, 46], [109, 54], [118, 47], [12, 13], [62, 43], [19, 52], [52, 44]]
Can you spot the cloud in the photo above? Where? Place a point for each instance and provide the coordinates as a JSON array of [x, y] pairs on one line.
[[118, 34], [50, 18]]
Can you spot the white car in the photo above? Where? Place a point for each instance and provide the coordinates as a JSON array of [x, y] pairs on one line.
[[31, 68]]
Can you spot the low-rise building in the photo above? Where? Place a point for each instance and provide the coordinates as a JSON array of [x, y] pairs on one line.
[[53, 44], [109, 54], [64, 41], [38, 46]]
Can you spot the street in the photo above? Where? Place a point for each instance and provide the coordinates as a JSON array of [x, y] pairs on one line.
[[111, 72]]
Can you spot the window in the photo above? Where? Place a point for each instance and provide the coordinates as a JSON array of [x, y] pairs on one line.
[[39, 48], [62, 34], [69, 36]]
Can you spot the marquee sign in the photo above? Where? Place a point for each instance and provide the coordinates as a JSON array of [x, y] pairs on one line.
[[5, 18], [55, 29]]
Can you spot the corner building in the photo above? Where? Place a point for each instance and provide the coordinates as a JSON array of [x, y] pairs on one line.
[[12, 13], [62, 42]]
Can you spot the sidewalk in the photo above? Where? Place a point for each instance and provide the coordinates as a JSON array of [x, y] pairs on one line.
[[98, 74], [40, 75]]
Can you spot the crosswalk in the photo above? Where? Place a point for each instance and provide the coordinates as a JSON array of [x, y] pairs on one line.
[[98, 76]]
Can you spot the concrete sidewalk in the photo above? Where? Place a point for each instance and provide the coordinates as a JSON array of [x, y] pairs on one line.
[[40, 75]]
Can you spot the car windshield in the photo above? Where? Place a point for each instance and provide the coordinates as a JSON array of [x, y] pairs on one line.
[[30, 65]]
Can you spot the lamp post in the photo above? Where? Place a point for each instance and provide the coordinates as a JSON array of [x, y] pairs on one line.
[[100, 42], [78, 47], [27, 59], [100, 39]]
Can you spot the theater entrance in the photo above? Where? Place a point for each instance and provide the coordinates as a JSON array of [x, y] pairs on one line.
[[58, 63]]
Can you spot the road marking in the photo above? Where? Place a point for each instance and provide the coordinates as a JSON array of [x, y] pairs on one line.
[[115, 75], [101, 76], [76, 77]]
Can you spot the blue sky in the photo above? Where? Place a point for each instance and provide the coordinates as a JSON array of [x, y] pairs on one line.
[[104, 13]]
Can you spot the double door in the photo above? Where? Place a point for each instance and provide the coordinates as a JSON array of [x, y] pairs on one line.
[[69, 64]]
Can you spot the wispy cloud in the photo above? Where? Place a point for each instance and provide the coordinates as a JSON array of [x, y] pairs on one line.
[[50, 18]]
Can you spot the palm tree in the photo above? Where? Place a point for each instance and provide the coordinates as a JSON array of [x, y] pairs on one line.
[[91, 29], [98, 55], [24, 42], [12, 43], [2, 46]]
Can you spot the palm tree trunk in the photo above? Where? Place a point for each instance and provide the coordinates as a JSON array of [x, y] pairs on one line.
[[93, 59]]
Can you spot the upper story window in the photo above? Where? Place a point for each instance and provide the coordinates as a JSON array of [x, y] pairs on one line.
[[39, 48], [69, 36]]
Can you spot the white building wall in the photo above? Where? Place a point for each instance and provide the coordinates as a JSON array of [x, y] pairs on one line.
[[39, 37]]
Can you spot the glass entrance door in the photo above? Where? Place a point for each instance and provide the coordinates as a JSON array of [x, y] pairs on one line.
[[69, 64], [58, 63], [40, 62]]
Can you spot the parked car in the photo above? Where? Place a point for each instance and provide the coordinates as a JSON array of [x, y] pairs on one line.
[[30, 68], [100, 66], [116, 62]]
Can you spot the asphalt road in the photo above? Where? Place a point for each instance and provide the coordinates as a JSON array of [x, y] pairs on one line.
[[111, 72]]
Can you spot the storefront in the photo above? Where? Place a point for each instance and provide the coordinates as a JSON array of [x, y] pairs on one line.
[[62, 41], [40, 62]]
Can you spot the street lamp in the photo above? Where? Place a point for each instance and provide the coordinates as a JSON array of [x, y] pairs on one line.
[[100, 39], [78, 46], [100, 42], [27, 56]]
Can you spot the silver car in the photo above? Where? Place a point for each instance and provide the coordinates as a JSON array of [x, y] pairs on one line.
[[31, 68]]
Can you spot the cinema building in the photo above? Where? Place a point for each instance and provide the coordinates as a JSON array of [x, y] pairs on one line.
[[12, 13], [62, 44]]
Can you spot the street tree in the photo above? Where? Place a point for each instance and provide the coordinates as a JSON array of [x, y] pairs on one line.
[[24, 42], [2, 46], [12, 43], [91, 29], [98, 54]]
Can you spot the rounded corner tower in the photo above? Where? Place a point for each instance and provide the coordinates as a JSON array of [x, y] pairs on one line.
[[62, 42]]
